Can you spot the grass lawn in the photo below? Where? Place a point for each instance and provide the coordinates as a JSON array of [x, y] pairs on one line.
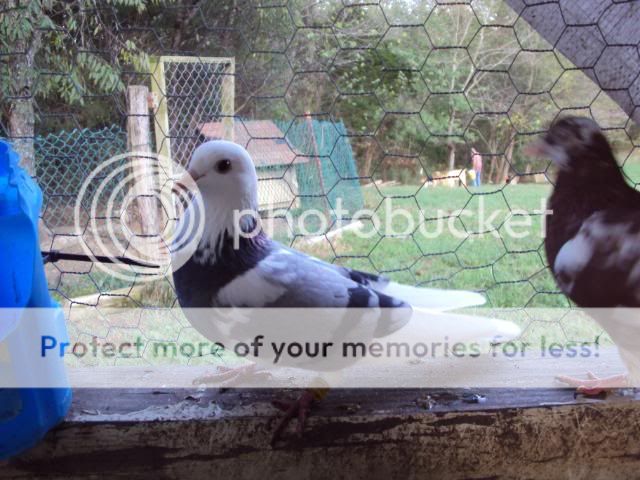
[[473, 248]]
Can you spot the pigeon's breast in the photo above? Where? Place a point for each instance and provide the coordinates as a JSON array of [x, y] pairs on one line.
[[201, 278]]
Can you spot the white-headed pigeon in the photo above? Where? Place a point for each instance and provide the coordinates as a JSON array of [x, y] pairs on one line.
[[259, 272]]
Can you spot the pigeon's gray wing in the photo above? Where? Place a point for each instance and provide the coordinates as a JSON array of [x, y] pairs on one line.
[[600, 266], [431, 298], [287, 278]]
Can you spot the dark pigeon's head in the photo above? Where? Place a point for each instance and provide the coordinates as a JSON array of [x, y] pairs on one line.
[[577, 145], [225, 175]]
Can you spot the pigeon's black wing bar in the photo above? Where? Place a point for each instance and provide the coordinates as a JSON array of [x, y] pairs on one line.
[[52, 256]]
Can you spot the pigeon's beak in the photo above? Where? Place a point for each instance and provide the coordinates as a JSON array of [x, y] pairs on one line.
[[189, 177], [536, 148]]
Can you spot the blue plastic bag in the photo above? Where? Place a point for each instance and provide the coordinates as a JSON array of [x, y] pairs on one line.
[[26, 414]]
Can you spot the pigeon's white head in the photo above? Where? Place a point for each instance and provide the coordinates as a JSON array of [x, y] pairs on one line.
[[225, 174], [226, 179]]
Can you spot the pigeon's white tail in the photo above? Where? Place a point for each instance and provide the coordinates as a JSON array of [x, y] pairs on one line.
[[434, 326], [433, 298]]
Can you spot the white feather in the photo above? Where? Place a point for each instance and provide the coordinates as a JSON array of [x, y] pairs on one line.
[[253, 284], [435, 326], [433, 298], [574, 255]]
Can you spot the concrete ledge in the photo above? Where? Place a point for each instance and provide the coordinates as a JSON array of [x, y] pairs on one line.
[[353, 433]]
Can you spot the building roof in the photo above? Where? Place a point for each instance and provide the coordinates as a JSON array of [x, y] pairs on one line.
[[263, 140]]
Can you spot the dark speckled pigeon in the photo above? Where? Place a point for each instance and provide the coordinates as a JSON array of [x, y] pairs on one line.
[[593, 237]]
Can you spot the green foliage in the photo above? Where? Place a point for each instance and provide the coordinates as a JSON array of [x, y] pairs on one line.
[[74, 45], [411, 73]]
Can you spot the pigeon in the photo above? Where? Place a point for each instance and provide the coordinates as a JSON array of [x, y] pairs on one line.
[[254, 271], [592, 237]]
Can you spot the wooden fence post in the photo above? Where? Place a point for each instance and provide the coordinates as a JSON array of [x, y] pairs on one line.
[[228, 100], [143, 171]]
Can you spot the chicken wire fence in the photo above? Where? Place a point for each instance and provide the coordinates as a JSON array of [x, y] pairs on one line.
[[63, 160], [191, 92], [373, 105]]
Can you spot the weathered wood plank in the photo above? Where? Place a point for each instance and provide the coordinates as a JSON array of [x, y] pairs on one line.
[[532, 370], [353, 433]]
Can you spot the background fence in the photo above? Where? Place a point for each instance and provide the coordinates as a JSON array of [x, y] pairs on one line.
[[323, 168]]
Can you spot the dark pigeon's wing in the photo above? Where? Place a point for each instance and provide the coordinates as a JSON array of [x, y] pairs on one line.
[[600, 266]]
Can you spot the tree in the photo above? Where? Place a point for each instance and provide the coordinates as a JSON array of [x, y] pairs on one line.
[[61, 49]]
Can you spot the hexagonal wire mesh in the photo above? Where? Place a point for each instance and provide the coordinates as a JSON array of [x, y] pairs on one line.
[[376, 105], [194, 91]]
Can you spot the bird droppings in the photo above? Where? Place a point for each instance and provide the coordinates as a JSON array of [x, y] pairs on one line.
[[90, 412], [473, 398], [184, 410], [349, 407], [426, 402]]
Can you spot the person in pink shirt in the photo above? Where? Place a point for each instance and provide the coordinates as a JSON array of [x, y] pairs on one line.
[[476, 164]]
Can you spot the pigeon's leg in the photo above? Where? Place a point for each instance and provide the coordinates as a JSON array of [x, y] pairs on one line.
[[299, 408], [225, 377], [595, 385]]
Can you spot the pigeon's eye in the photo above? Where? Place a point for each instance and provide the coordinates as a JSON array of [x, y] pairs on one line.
[[223, 166]]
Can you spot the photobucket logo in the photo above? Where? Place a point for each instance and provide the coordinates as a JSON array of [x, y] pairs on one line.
[[128, 207], [402, 222]]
